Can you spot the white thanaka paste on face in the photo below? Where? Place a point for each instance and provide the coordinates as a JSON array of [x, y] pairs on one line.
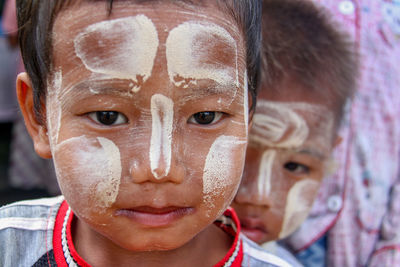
[[265, 173], [54, 109], [162, 116], [95, 164], [298, 205], [246, 103], [110, 187], [218, 166], [186, 58], [271, 130], [126, 48]]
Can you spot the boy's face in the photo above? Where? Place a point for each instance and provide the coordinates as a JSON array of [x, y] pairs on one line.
[[147, 114], [289, 148]]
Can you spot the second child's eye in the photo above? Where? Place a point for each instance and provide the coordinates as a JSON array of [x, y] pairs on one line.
[[108, 118], [297, 168], [205, 117]]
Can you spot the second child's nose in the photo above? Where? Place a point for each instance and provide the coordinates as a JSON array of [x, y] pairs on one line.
[[250, 195]]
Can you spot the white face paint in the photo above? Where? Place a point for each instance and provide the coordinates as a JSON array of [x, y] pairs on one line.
[[278, 126], [265, 172], [54, 110], [131, 57], [246, 103], [283, 124], [162, 114], [93, 164], [298, 205], [218, 166], [188, 48]]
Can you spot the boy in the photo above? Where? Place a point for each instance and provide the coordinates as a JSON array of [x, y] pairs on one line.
[[355, 220], [143, 107], [309, 73]]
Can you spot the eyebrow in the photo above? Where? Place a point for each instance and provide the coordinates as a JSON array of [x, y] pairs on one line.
[[103, 86], [199, 92], [312, 152], [115, 86]]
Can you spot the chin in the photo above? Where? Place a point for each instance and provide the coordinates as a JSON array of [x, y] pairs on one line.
[[151, 243]]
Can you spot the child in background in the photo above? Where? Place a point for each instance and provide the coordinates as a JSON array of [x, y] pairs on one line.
[[309, 73], [355, 219], [143, 106]]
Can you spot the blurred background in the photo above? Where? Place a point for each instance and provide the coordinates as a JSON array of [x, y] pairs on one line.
[[23, 175]]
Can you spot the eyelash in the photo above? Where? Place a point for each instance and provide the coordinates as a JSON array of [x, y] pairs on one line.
[[215, 117], [294, 168], [114, 117]]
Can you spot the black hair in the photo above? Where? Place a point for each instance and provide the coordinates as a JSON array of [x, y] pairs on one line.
[[36, 19], [301, 43]]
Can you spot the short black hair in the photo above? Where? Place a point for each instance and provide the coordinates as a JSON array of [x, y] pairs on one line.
[[36, 19], [301, 43]]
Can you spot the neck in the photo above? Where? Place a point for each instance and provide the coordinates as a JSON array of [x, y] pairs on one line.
[[205, 249]]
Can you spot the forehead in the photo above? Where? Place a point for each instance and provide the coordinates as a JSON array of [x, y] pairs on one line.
[[158, 39], [164, 16], [290, 115], [290, 90]]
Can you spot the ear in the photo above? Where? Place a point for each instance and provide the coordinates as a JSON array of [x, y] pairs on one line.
[[36, 129]]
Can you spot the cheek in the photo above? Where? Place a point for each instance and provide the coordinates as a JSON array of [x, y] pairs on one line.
[[88, 172], [54, 110], [298, 204], [222, 171]]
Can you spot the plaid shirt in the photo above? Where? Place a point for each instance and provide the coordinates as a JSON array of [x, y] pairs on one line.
[[358, 207], [38, 233]]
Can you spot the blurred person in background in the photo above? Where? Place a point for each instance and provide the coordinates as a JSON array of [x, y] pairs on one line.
[[355, 220]]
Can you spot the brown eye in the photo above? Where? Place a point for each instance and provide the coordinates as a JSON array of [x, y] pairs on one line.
[[205, 117], [297, 168], [108, 117]]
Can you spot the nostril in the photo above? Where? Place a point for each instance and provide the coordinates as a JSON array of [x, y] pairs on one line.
[[159, 173]]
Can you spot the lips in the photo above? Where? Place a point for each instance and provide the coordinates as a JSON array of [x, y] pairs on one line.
[[254, 229], [155, 217]]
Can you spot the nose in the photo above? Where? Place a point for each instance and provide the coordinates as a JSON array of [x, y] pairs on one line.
[[256, 189], [141, 171], [250, 195], [162, 117]]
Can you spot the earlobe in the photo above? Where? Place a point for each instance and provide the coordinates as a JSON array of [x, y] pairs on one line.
[[37, 129]]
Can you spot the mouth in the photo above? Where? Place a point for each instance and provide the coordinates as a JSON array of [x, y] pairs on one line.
[[254, 229], [155, 217]]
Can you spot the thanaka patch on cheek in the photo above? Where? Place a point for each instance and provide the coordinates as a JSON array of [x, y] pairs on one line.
[[217, 173], [162, 116], [190, 48], [246, 103], [54, 110], [298, 204], [123, 48], [265, 172], [90, 166]]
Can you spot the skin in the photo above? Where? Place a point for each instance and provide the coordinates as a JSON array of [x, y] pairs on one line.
[[289, 152], [159, 213]]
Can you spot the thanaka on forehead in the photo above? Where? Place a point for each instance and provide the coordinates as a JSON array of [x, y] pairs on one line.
[[290, 125], [187, 49], [123, 48], [241, 17], [224, 78]]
